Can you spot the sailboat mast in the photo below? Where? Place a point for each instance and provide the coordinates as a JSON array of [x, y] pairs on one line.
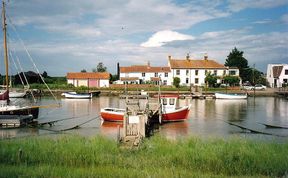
[[5, 45]]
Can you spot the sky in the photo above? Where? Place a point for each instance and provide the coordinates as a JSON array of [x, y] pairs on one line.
[[68, 36]]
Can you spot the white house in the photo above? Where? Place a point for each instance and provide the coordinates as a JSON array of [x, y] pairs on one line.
[[88, 79], [141, 74], [193, 72], [277, 74]]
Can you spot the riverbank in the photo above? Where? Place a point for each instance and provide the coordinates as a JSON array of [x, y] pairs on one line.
[[116, 92], [75, 156]]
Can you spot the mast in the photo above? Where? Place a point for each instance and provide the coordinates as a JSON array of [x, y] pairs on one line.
[[5, 45]]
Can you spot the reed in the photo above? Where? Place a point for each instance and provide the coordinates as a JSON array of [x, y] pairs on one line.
[[76, 156]]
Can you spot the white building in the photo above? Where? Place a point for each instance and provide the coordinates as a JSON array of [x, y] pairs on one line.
[[277, 74], [193, 72], [88, 79], [141, 74]]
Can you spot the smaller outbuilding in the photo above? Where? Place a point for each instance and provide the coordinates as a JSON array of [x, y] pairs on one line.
[[88, 79], [277, 75]]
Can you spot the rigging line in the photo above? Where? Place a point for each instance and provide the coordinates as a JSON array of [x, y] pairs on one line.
[[31, 59], [17, 69], [26, 80]]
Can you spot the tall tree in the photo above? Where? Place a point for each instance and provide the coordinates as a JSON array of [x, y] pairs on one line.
[[101, 67], [236, 59]]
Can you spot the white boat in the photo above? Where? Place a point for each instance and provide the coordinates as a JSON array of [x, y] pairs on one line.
[[230, 96], [13, 94], [74, 95]]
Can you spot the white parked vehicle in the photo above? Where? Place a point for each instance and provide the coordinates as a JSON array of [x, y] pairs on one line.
[[259, 87]]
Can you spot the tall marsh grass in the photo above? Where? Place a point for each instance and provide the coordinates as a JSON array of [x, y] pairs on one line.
[[75, 156]]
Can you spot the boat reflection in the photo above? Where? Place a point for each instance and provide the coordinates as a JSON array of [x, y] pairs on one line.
[[175, 130], [110, 129]]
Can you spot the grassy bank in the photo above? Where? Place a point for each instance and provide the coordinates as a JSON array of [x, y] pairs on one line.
[[75, 156]]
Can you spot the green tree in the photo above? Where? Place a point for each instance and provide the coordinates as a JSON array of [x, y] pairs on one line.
[[236, 59], [232, 80], [83, 70], [45, 75], [176, 82], [211, 79], [113, 78], [101, 67]]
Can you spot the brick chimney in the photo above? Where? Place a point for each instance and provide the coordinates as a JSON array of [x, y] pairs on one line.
[[187, 56], [205, 56], [169, 57]]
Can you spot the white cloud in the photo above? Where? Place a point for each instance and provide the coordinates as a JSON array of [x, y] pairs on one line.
[[284, 18], [236, 5], [163, 37]]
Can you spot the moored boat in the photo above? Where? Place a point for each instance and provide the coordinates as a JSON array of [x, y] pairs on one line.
[[169, 111], [230, 96], [74, 95], [112, 114]]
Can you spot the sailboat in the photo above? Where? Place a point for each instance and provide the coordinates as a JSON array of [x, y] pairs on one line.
[[8, 110]]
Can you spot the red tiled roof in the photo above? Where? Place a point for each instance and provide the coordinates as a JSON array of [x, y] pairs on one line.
[[129, 78], [88, 75], [277, 71], [195, 64], [143, 68]]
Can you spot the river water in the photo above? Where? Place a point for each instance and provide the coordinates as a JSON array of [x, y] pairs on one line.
[[207, 118]]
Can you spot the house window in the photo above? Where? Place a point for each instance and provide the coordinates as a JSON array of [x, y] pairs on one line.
[[156, 74], [187, 80], [233, 72], [285, 80], [166, 74], [206, 72], [187, 72], [196, 72], [164, 82], [196, 80], [143, 74], [224, 72], [286, 72], [178, 72], [215, 72]]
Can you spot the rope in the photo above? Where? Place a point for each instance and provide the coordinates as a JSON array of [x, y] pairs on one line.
[[31, 59]]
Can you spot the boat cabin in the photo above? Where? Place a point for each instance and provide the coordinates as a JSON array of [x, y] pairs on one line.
[[168, 102]]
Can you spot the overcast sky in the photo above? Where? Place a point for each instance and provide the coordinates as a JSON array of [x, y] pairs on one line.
[[70, 35]]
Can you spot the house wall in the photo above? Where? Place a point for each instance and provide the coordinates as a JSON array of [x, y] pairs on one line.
[[92, 82], [148, 76], [277, 82], [192, 77], [104, 83]]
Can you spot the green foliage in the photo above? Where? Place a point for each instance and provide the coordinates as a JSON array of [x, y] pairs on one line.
[[236, 59], [83, 70], [113, 78], [231, 80], [101, 67], [211, 79], [75, 156], [176, 82]]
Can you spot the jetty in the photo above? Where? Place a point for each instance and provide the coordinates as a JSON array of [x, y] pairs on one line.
[[15, 120]]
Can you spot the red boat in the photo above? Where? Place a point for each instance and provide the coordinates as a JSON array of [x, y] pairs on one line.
[[169, 111]]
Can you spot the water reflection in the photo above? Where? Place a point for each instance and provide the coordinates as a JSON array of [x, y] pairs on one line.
[[206, 117]]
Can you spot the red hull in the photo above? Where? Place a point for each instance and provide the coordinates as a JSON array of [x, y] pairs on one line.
[[112, 117], [179, 115]]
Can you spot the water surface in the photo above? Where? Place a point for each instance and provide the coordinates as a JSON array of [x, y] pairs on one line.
[[206, 118]]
